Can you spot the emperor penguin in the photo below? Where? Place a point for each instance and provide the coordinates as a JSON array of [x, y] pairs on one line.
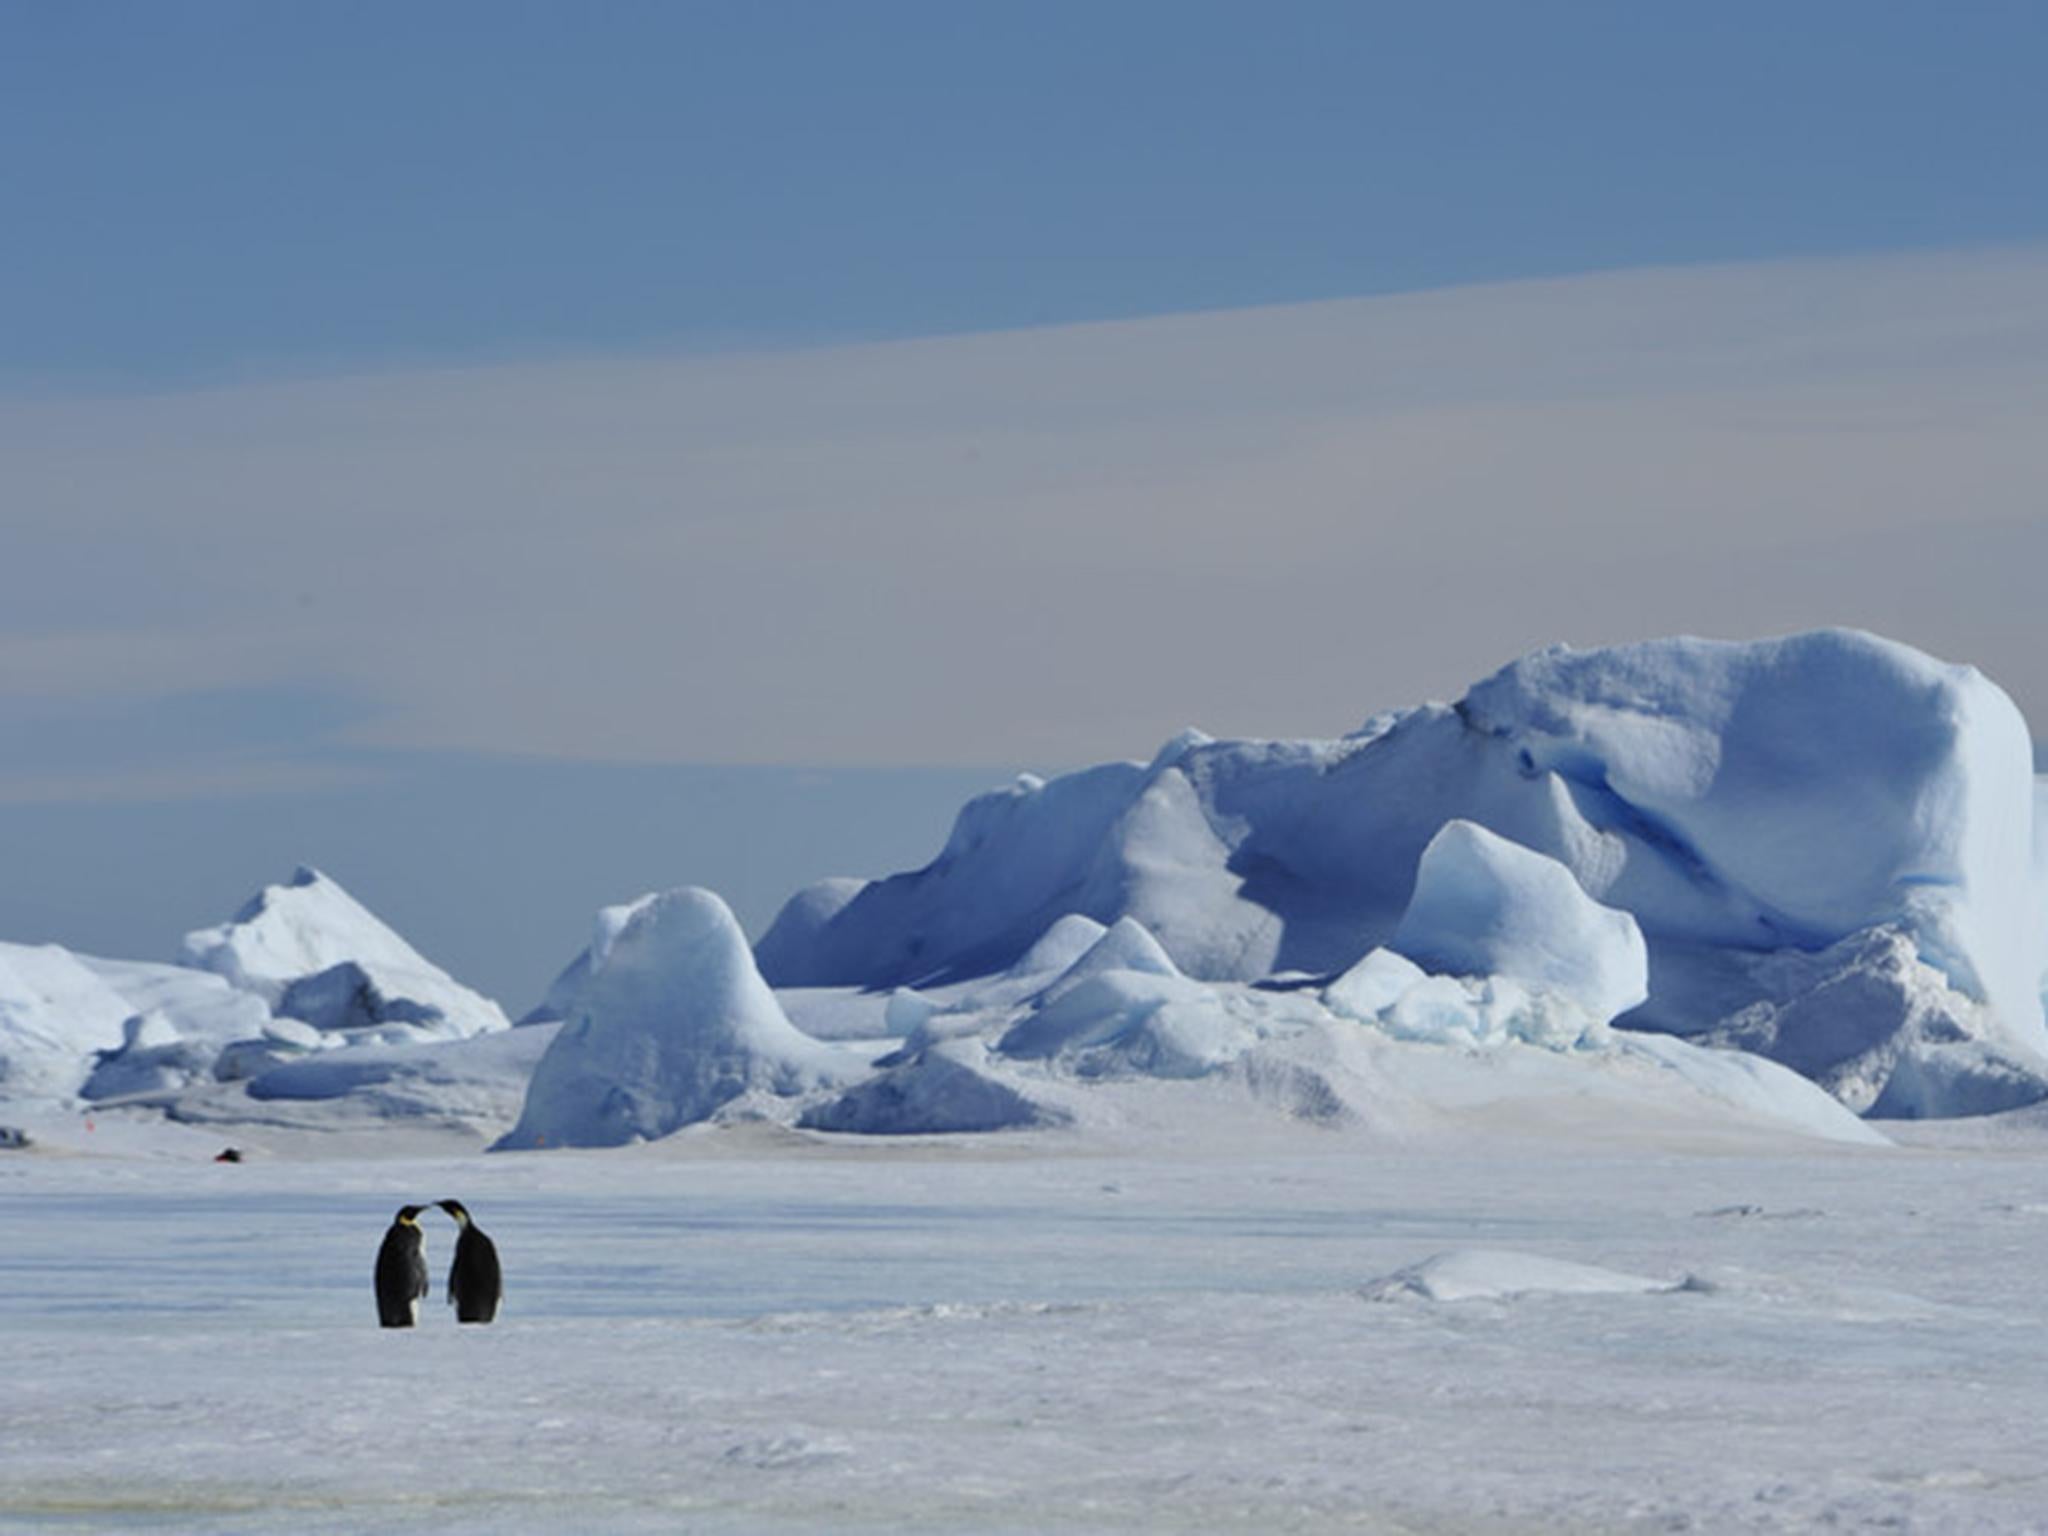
[[402, 1270], [475, 1283]]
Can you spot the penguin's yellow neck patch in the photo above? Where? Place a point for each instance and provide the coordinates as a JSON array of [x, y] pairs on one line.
[[408, 1221]]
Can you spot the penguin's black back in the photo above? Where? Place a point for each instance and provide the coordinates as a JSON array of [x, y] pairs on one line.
[[475, 1283], [401, 1273]]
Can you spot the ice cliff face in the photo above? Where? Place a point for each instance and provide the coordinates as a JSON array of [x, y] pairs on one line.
[[1736, 801]]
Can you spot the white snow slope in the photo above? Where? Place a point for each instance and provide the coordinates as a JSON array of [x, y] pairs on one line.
[[55, 1013], [1750, 806]]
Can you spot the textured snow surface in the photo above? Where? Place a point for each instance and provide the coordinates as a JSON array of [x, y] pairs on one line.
[[672, 1023], [313, 952], [748, 1332]]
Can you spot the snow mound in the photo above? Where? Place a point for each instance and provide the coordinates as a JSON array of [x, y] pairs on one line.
[[198, 1004], [479, 1082], [1484, 906], [55, 1015], [1373, 985], [947, 1088], [102, 1028], [1057, 949], [1749, 1085], [152, 1058], [1389, 990], [280, 1041], [1160, 1026], [1126, 946], [311, 951], [1066, 941], [1879, 1028], [1493, 1274], [674, 1022], [1490, 1010]]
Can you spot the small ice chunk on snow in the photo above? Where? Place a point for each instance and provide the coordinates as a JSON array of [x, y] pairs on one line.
[[1373, 985], [1473, 1274], [945, 1089], [906, 1011], [1127, 945]]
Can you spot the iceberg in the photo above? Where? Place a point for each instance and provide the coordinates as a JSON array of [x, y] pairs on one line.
[[313, 952], [78, 1026], [1782, 883], [673, 1023], [1744, 805], [56, 1014], [184, 1021]]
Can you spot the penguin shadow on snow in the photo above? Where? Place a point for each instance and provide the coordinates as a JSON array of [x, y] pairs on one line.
[[476, 1284]]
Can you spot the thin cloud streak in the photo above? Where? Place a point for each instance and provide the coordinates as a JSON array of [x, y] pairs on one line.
[[1052, 546]]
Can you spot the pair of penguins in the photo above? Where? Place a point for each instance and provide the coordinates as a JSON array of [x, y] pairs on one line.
[[475, 1283]]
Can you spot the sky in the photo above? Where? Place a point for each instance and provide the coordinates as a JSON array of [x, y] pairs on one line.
[[513, 456]]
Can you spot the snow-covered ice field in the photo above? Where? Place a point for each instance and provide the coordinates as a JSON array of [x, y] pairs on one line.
[[1232, 1328], [1467, 1125]]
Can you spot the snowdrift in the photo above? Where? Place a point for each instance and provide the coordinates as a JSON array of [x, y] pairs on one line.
[[1489, 1274], [1767, 815]]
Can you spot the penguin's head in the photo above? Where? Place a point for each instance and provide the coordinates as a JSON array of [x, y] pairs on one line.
[[409, 1215], [456, 1209]]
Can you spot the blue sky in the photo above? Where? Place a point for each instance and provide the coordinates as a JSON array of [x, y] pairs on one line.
[[513, 455], [206, 191]]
